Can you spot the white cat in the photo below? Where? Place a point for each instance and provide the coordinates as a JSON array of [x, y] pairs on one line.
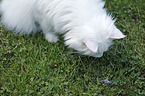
[[85, 24]]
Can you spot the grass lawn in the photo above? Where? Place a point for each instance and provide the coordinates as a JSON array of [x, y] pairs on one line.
[[29, 65]]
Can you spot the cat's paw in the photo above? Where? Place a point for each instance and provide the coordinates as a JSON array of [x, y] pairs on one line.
[[51, 37]]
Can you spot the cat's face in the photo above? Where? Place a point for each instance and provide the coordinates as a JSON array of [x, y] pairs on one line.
[[94, 43]]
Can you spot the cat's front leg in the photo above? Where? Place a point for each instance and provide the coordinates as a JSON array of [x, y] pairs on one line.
[[51, 37], [48, 31]]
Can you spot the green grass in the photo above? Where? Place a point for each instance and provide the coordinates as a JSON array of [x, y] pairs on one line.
[[29, 65]]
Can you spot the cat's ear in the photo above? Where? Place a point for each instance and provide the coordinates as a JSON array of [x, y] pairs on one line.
[[92, 45], [117, 34]]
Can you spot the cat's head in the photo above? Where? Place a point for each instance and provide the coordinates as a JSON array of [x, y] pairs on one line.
[[92, 41]]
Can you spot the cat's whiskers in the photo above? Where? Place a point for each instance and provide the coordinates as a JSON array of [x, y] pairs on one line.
[[93, 60], [73, 52]]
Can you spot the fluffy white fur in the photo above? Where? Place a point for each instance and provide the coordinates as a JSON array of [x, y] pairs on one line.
[[88, 28]]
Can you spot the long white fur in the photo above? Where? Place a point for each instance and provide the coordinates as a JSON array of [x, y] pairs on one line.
[[88, 27]]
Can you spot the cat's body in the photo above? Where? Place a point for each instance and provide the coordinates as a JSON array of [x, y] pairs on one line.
[[88, 27]]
